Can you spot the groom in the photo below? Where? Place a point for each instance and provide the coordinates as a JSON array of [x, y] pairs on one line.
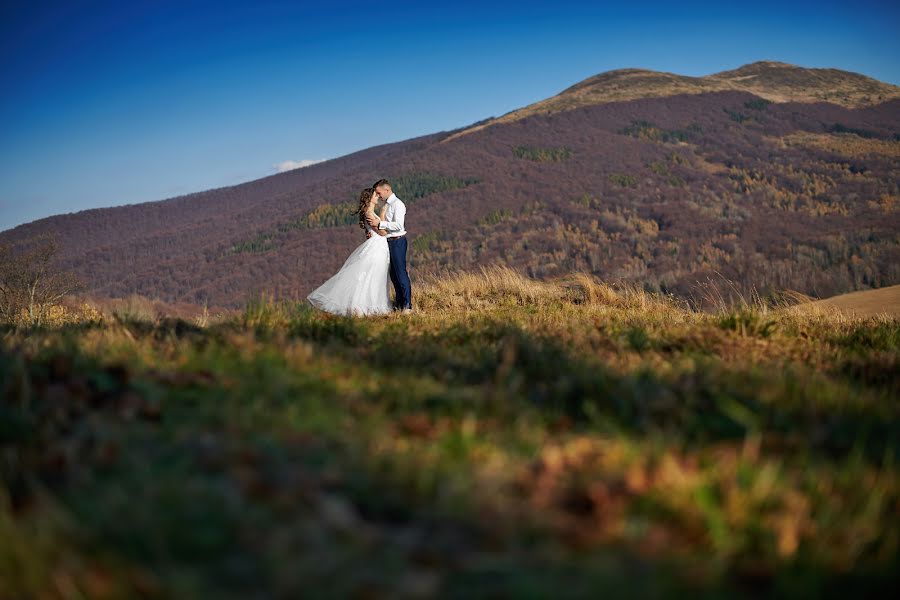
[[396, 237]]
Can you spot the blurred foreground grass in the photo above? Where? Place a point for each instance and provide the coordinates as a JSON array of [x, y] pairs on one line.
[[513, 438]]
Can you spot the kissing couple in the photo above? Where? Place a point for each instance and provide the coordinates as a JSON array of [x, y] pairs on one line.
[[360, 287]]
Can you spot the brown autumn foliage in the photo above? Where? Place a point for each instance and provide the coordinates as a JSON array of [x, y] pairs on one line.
[[32, 285]]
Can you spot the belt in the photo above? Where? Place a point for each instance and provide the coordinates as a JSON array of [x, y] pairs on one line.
[[396, 237]]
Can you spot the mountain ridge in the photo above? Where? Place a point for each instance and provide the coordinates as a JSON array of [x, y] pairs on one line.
[[837, 86]]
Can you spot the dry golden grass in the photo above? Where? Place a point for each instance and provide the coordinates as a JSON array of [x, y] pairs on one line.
[[500, 286], [57, 315], [846, 144], [866, 303]]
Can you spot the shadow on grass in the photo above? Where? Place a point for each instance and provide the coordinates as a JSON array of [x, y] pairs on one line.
[[698, 401]]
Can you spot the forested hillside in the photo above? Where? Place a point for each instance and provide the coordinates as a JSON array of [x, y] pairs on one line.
[[668, 191]]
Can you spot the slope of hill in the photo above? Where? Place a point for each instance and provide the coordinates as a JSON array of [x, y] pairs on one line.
[[667, 191], [883, 301]]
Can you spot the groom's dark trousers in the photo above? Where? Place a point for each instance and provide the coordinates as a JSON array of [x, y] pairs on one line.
[[399, 276]]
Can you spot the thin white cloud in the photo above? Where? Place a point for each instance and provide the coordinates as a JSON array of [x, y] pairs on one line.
[[290, 165]]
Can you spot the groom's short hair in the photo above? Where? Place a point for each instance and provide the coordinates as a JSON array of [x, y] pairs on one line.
[[382, 182]]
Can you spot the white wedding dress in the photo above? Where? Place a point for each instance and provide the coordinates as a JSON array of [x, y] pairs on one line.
[[360, 287]]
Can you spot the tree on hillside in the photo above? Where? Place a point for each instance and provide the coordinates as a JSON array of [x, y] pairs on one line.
[[31, 281]]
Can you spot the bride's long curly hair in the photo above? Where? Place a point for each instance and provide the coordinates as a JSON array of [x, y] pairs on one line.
[[364, 197]]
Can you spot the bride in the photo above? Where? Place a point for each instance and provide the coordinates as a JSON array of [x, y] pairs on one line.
[[360, 287]]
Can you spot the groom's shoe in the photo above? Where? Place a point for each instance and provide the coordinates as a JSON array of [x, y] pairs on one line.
[[406, 311]]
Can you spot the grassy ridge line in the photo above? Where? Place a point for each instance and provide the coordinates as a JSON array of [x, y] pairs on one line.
[[513, 436]]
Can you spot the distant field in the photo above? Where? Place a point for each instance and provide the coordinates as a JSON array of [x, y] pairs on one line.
[[865, 303]]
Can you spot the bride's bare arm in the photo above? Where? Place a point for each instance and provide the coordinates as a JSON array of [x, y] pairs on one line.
[[380, 232]]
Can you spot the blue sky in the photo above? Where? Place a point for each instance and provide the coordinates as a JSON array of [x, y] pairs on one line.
[[108, 103]]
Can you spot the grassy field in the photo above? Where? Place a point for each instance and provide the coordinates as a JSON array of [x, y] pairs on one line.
[[512, 438]]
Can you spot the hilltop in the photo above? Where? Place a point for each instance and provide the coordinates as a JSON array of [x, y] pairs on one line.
[[772, 80]]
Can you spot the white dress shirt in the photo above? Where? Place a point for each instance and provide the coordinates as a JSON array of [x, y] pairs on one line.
[[394, 217]]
